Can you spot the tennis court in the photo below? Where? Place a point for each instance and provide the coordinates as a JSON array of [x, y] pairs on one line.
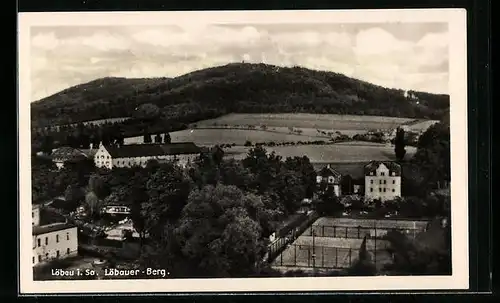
[[336, 242]]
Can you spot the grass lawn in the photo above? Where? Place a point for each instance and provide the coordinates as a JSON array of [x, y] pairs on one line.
[[315, 121]]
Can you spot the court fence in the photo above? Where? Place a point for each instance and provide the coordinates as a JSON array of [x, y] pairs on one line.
[[357, 232], [275, 248], [321, 257]]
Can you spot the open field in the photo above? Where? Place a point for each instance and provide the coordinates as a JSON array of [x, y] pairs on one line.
[[314, 121], [331, 153]]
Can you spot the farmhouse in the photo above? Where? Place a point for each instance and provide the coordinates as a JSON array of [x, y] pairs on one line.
[[65, 154], [328, 178], [52, 241], [382, 180], [35, 215], [140, 154]]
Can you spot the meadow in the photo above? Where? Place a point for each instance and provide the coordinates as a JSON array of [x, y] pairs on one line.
[[312, 121], [331, 153]]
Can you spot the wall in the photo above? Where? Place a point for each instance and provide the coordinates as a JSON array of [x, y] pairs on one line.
[[102, 158], [35, 216], [381, 185], [49, 251]]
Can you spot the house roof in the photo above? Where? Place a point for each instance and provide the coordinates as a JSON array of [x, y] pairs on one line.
[[328, 171], [89, 152], [151, 150], [44, 229], [392, 166], [67, 153]]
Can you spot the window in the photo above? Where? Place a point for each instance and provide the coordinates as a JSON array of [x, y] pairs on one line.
[[33, 260], [393, 181], [380, 182], [39, 258], [67, 236], [371, 181], [371, 189], [385, 181], [57, 254], [382, 174], [67, 251], [39, 242], [380, 190], [32, 214], [393, 190], [57, 238], [46, 240], [384, 189]]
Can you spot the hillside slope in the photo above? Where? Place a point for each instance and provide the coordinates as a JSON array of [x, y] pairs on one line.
[[238, 88]]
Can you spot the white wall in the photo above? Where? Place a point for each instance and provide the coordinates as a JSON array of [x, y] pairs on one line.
[[381, 185], [35, 216], [102, 158], [68, 239]]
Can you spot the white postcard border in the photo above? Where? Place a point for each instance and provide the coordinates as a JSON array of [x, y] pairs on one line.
[[456, 18]]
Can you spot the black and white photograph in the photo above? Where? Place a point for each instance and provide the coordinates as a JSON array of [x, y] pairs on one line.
[[243, 151]]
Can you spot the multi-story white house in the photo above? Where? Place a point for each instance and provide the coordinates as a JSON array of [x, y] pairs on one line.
[[328, 178], [382, 180], [52, 241], [139, 154]]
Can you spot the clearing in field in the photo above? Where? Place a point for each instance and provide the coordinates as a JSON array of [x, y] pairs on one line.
[[330, 153], [314, 121]]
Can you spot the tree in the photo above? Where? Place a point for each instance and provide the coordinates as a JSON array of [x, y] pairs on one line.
[[97, 185], [158, 138], [218, 232], [168, 191], [147, 138], [93, 204], [400, 144], [72, 196], [47, 144], [167, 139]]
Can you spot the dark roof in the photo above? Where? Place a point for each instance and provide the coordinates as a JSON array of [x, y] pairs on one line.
[[392, 166], [151, 150], [89, 152], [328, 171], [43, 229], [67, 153]]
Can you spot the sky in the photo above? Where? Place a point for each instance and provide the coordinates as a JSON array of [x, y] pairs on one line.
[[409, 56]]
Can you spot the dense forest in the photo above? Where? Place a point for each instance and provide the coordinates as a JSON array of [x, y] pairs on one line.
[[232, 88]]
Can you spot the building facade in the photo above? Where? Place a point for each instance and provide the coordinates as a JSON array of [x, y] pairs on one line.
[[52, 241], [382, 180], [35, 215], [139, 154], [328, 178]]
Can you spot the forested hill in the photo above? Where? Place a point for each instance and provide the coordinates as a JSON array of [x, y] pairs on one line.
[[236, 87]]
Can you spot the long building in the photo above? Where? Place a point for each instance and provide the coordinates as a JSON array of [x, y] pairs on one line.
[[52, 241], [139, 154]]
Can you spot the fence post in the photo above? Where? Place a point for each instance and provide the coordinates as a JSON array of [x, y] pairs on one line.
[[336, 257], [350, 257], [322, 256], [309, 257], [359, 227], [281, 258], [346, 232], [323, 230], [335, 231], [295, 253]]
